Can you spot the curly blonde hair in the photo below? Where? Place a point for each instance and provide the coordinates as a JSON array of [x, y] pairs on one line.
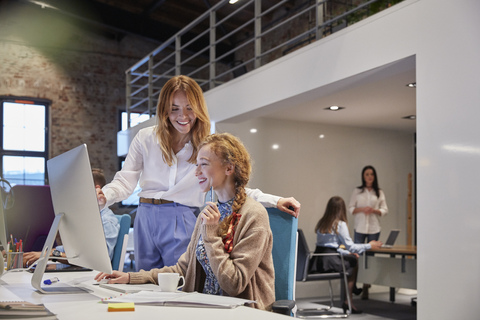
[[165, 129], [230, 150]]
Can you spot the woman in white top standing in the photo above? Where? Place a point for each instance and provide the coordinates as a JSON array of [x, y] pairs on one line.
[[162, 160], [367, 205]]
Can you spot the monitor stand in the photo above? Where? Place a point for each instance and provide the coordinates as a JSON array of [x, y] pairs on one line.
[[42, 264]]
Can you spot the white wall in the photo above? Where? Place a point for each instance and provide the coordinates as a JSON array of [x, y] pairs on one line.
[[313, 169], [444, 37]]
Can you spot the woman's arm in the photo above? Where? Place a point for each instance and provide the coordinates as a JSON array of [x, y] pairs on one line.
[[125, 180], [352, 205], [382, 204], [180, 267], [344, 238], [272, 201]]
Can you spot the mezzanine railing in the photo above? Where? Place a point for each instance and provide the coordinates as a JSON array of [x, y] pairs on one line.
[[213, 52]]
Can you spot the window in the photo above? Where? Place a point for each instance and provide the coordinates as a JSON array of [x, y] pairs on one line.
[[24, 140], [135, 118]]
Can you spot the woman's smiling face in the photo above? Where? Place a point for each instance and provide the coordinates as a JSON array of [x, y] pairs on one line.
[[210, 171], [181, 114]]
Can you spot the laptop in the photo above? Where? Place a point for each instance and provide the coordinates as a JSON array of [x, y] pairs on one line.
[[392, 237]]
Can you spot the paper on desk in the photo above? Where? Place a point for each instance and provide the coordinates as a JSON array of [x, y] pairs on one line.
[[187, 299], [130, 288]]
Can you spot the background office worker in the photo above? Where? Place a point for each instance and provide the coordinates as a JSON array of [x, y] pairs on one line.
[[161, 159], [367, 205], [230, 252], [332, 232]]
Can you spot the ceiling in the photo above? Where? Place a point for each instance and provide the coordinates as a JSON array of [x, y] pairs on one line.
[[378, 98], [153, 20]]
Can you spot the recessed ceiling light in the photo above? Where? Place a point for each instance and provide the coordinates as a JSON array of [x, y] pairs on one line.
[[232, 1], [412, 85], [334, 108], [253, 130], [275, 146], [410, 117], [321, 136]]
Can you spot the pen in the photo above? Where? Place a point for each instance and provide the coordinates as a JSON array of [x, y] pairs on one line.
[[50, 281]]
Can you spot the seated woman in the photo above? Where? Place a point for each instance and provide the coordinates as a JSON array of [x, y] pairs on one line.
[[332, 234], [230, 252]]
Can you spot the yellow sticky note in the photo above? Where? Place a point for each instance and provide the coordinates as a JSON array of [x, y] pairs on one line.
[[122, 306]]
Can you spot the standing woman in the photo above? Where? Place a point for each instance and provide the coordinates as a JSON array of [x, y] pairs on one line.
[[367, 205], [230, 252], [332, 233], [161, 159]]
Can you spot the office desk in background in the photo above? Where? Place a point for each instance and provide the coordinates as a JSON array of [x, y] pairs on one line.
[[394, 267], [15, 286]]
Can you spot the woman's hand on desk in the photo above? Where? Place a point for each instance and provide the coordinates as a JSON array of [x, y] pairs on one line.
[[375, 244], [115, 277]]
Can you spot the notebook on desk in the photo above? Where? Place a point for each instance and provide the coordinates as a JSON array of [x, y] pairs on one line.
[[392, 237]]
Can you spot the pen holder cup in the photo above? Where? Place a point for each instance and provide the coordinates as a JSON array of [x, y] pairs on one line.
[[14, 260]]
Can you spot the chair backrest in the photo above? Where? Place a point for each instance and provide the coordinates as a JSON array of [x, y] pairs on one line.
[[284, 230], [125, 221], [303, 254]]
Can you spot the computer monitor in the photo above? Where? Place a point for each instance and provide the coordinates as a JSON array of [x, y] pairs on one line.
[[31, 216], [77, 218]]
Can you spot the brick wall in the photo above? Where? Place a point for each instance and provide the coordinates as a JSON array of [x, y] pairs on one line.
[[81, 72]]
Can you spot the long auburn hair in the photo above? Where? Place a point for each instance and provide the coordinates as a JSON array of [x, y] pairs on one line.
[[334, 213], [165, 129], [375, 180], [230, 150]]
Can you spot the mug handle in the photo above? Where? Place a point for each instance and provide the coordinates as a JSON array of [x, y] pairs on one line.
[[183, 282]]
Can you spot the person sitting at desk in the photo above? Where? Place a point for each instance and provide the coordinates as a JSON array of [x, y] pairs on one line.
[[332, 235], [111, 227], [230, 251]]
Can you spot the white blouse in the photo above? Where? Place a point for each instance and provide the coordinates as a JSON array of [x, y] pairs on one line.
[[145, 165], [367, 223]]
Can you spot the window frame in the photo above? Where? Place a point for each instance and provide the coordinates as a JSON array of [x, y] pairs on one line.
[[22, 153]]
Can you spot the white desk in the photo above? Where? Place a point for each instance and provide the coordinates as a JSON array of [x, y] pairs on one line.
[[394, 267], [16, 286]]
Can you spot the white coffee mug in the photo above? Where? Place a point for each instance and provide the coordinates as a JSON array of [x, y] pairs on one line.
[[168, 282]]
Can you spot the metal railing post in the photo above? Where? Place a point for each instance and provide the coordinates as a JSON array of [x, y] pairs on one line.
[[128, 92], [212, 73], [258, 32], [319, 17], [178, 55], [150, 85]]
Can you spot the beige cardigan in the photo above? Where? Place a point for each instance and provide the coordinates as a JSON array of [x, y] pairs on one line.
[[247, 272]]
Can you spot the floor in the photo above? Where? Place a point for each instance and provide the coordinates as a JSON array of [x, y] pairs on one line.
[[378, 307]]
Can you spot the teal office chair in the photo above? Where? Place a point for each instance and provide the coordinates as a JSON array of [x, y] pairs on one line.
[[284, 230], [118, 252]]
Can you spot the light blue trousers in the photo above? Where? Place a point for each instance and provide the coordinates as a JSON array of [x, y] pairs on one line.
[[161, 234]]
